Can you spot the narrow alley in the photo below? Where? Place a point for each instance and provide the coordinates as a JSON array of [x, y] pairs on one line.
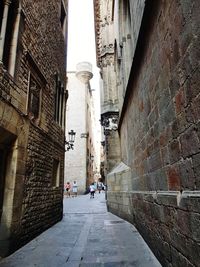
[[87, 236], [99, 95]]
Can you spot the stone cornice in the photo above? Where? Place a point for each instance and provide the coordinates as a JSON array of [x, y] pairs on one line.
[[97, 30], [107, 60]]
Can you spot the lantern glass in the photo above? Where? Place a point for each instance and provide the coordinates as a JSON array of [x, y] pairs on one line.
[[71, 136]]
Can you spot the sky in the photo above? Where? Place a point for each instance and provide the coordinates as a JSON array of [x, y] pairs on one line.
[[81, 39], [81, 44], [81, 36]]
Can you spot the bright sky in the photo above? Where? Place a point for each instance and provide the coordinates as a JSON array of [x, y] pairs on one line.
[[81, 37], [81, 43]]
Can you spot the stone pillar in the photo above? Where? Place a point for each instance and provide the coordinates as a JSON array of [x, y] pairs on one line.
[[13, 51], [3, 27], [84, 72]]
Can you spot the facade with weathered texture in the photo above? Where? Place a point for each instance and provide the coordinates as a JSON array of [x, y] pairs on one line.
[[32, 120], [109, 94], [81, 162], [156, 185]]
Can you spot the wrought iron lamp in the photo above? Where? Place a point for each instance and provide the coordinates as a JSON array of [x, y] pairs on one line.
[[70, 143]]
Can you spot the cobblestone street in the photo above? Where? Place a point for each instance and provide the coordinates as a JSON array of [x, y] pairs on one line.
[[89, 236]]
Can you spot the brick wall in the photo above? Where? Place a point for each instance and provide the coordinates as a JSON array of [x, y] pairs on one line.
[[41, 50]]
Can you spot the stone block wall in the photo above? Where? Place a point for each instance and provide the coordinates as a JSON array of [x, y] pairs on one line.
[[160, 134], [168, 221], [35, 202], [161, 124]]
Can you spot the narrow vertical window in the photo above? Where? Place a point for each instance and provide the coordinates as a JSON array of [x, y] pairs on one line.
[[62, 15], [55, 173], [1, 13], [9, 26], [34, 101], [9, 33], [59, 102], [56, 97]]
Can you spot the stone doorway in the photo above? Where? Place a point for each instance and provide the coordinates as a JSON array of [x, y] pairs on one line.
[[7, 140]]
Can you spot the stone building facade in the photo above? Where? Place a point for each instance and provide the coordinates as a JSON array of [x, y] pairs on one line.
[[156, 61], [109, 94], [32, 121], [81, 162]]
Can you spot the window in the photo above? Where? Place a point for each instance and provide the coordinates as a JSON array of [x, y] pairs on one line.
[[36, 85], [63, 18], [55, 172], [113, 9], [59, 102], [62, 15], [61, 105], [1, 12], [34, 101], [9, 25]]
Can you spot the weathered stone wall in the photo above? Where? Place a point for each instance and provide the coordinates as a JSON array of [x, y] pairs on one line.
[[169, 222], [81, 161], [76, 159], [160, 136], [106, 57], [36, 203], [161, 119], [112, 150]]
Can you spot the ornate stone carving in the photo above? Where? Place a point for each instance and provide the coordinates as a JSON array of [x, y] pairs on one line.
[[109, 121], [107, 60]]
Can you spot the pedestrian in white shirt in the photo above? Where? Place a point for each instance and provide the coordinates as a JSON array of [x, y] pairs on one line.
[[92, 190], [75, 188]]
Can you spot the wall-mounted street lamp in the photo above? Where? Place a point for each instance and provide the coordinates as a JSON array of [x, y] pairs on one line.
[[70, 143]]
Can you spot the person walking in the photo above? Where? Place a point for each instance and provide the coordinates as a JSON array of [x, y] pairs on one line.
[[68, 188], [92, 190], [99, 186], [75, 188]]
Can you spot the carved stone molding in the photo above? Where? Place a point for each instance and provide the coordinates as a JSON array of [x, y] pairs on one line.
[[107, 60], [7, 2], [97, 17], [109, 121]]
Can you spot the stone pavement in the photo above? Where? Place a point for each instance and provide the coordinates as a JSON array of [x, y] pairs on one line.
[[87, 236]]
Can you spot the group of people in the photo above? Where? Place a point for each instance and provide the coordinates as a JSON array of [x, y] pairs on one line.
[[99, 186], [74, 188]]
